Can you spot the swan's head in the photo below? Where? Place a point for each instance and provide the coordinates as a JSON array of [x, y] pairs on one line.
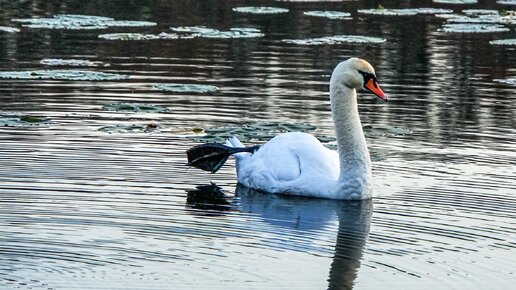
[[357, 73]]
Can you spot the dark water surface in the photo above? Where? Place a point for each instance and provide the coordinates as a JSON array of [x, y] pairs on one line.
[[86, 205]]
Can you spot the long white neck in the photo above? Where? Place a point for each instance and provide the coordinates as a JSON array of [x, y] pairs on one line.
[[355, 163]]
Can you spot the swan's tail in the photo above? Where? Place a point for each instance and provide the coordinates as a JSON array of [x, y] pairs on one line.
[[211, 156]]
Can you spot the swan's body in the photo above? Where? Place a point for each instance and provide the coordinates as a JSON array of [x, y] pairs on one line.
[[295, 163], [298, 164]]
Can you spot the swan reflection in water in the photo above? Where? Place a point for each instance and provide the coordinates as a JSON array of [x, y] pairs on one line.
[[304, 215]]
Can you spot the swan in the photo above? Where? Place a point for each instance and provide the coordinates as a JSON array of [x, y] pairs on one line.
[[297, 163]]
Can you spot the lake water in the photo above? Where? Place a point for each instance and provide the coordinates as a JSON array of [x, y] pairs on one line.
[[89, 201]]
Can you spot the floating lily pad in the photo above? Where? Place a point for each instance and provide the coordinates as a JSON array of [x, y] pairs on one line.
[[71, 62], [186, 88], [433, 10], [329, 14], [479, 18], [473, 28], [472, 19], [23, 120], [205, 32], [404, 11], [133, 128], [448, 15], [326, 139], [456, 1], [73, 75], [70, 21], [195, 29], [142, 36], [128, 36], [254, 131], [389, 12], [385, 130], [509, 42], [9, 29], [197, 130], [132, 107], [260, 10], [480, 12], [337, 39], [506, 81]]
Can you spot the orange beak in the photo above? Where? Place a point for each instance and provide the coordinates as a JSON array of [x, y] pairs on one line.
[[373, 87]]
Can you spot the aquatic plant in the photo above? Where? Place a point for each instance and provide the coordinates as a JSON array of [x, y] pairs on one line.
[[385, 130], [506, 81], [205, 32], [337, 39], [75, 22], [253, 131], [17, 120], [128, 36], [189, 88], [455, 1], [433, 10], [132, 128], [71, 62], [74, 75], [508, 42], [260, 10], [134, 107], [9, 29], [388, 12], [478, 17], [476, 12], [329, 14], [473, 28], [404, 11]]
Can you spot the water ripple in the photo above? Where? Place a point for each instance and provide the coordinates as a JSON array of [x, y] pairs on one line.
[[86, 209]]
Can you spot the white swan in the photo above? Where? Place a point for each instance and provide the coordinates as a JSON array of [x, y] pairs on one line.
[[298, 164]]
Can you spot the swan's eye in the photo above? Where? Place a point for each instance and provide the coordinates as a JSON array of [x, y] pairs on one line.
[[367, 76]]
